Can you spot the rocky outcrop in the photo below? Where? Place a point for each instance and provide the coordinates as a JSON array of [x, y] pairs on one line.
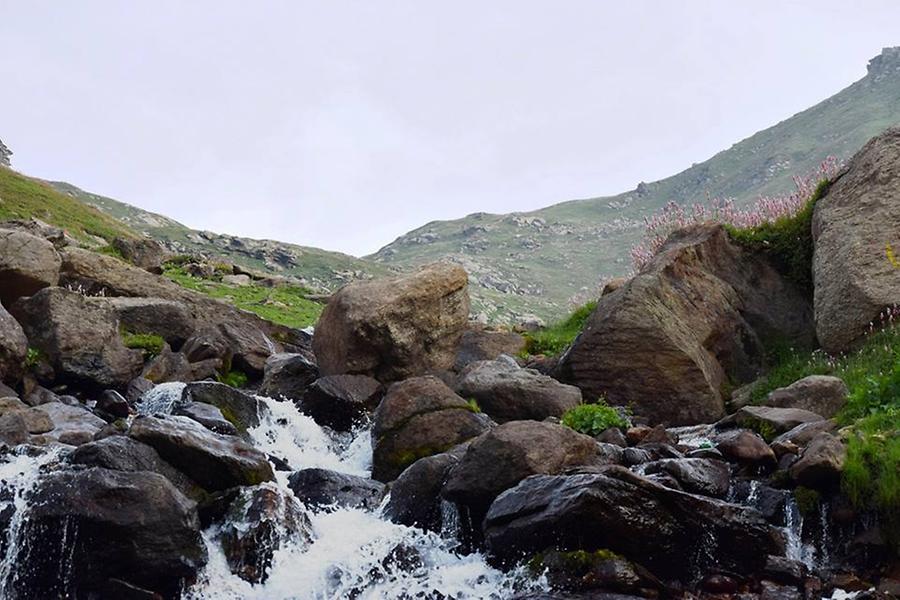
[[821, 394], [695, 475], [342, 402], [698, 314], [855, 232], [322, 488], [672, 533], [288, 376], [79, 336], [13, 348], [27, 264], [771, 421], [87, 527], [509, 393], [392, 329]]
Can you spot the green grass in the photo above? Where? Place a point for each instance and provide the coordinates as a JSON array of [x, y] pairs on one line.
[[33, 357], [235, 379], [150, 343], [286, 305], [593, 419], [22, 197], [556, 338]]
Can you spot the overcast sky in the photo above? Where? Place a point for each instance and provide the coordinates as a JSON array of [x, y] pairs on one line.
[[345, 124]]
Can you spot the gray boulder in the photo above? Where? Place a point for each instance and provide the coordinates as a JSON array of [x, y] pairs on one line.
[[207, 415], [771, 421], [27, 264], [820, 394], [72, 425], [322, 488], [478, 344], [240, 409], [342, 402], [745, 447], [168, 319], [695, 475], [416, 495], [142, 252], [13, 348], [288, 375]]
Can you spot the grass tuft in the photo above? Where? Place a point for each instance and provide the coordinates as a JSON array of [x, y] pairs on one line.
[[556, 338], [150, 343]]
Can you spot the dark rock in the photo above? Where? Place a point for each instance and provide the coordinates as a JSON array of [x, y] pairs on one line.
[[13, 429], [745, 447], [601, 571], [27, 264], [785, 571], [342, 402], [168, 319], [13, 348], [142, 252], [695, 475], [821, 464], [168, 366], [820, 394], [288, 376], [772, 591], [322, 488], [416, 495], [72, 425], [207, 415], [770, 421], [613, 436], [242, 410], [137, 387], [113, 403], [486, 344], [802, 434]]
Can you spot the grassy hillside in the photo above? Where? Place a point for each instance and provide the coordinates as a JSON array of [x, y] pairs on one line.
[[22, 197], [545, 261]]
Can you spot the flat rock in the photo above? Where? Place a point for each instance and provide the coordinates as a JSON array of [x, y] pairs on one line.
[[820, 394]]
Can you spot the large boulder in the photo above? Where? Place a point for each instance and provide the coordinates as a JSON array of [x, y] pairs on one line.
[[242, 410], [13, 348], [746, 448], [821, 394], [417, 418], [856, 227], [322, 488], [704, 476], [214, 461], [509, 393], [79, 336], [142, 252], [168, 319], [698, 316], [821, 463], [342, 402], [486, 344], [288, 375], [672, 533], [507, 454], [87, 527], [394, 328], [416, 495], [27, 264]]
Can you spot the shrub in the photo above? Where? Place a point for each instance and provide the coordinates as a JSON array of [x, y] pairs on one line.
[[235, 379], [32, 357], [556, 338], [593, 419], [150, 343]]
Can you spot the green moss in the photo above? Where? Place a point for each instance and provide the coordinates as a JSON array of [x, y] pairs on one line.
[[593, 419], [556, 338], [807, 500], [150, 343], [110, 250], [473, 405], [233, 378]]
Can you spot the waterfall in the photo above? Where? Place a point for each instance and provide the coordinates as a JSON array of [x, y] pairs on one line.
[[161, 399]]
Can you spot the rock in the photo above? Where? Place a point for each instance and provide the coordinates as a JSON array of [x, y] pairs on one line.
[[802, 434], [509, 393], [240, 409], [13, 428], [10, 404], [114, 404], [102, 524], [237, 280], [342, 402], [259, 521], [614, 436], [484, 344], [783, 570], [700, 313], [79, 336], [322, 488], [169, 366], [72, 425], [821, 463], [214, 461], [745, 447], [237, 344], [820, 394], [659, 435], [392, 329], [168, 319], [27, 264], [770, 421], [600, 570], [207, 415], [142, 252], [504, 456], [695, 475], [669, 534], [858, 216], [288, 376], [613, 284], [416, 495], [13, 348], [417, 418], [635, 435], [772, 591]]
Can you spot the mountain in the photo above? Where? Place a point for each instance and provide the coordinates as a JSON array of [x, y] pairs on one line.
[[541, 262]]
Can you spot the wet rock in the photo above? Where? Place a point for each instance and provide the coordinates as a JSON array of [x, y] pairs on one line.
[[821, 464], [13, 429], [168, 366], [207, 415], [695, 475], [419, 417], [504, 456], [214, 461], [718, 583], [613, 436], [321, 488], [392, 329], [168, 319], [701, 312], [768, 501], [342, 402], [113, 403], [416, 495], [259, 521], [802, 434], [745, 447], [860, 213], [769, 421], [509, 393], [13, 348], [142, 252], [820, 394], [79, 336], [596, 511], [601, 570], [785, 571], [240, 409], [72, 425], [99, 524], [485, 344], [288, 376], [635, 435], [27, 264], [770, 590]]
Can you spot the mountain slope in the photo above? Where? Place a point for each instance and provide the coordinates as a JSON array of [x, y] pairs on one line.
[[539, 262]]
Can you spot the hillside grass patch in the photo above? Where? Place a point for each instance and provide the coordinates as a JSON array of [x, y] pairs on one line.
[[556, 338]]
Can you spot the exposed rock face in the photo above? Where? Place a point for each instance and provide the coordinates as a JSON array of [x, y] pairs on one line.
[[821, 464], [853, 224], [142, 252], [821, 394], [508, 393], [321, 487], [342, 401], [668, 533], [13, 348], [86, 527], [288, 375], [169, 319], [417, 418], [700, 312], [79, 336], [396, 328], [507, 454], [216, 462], [27, 264], [485, 344]]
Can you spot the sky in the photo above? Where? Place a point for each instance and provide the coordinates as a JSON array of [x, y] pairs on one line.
[[343, 125]]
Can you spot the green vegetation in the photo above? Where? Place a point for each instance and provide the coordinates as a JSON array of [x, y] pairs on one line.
[[473, 405], [32, 357], [556, 338], [233, 378], [150, 343], [110, 250], [807, 500], [22, 197], [575, 562], [593, 419], [286, 305]]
